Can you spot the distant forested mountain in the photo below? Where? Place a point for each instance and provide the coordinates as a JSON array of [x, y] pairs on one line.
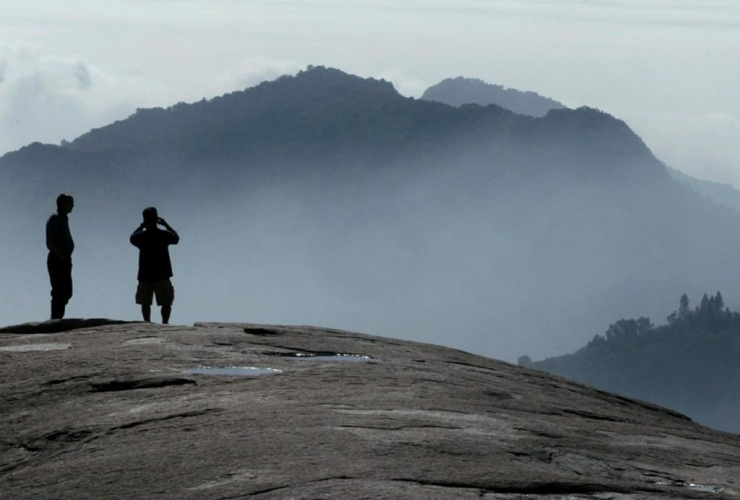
[[325, 198], [690, 364], [459, 91]]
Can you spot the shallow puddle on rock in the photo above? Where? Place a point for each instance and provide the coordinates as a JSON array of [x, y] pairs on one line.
[[704, 488], [53, 346], [339, 358], [232, 371], [328, 357], [144, 341]]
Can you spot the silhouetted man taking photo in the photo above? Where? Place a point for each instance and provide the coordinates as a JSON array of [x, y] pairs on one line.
[[59, 262], [155, 268]]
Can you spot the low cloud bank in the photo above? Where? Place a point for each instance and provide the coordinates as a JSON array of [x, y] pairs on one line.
[[49, 97]]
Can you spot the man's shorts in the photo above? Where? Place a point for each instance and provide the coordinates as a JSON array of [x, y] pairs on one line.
[[162, 289]]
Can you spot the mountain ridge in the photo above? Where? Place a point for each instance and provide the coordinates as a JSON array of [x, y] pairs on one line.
[[459, 91], [323, 113]]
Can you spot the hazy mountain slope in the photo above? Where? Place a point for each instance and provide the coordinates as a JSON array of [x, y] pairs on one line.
[[330, 199], [459, 91], [724, 194], [689, 365]]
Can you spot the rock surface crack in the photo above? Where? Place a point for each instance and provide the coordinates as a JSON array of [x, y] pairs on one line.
[[118, 385], [139, 423]]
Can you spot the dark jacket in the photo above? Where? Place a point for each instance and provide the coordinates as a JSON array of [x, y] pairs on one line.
[[58, 238], [154, 256]]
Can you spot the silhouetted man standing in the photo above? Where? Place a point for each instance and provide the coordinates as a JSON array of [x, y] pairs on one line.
[[59, 262], [155, 268]]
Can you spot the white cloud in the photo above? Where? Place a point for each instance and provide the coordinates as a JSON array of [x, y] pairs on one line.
[[48, 97], [404, 84]]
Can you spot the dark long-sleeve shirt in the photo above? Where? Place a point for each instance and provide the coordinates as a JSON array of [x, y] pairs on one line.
[[154, 254], [58, 238]]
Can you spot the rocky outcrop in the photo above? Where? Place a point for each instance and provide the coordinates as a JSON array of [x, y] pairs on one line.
[[131, 411], [60, 325]]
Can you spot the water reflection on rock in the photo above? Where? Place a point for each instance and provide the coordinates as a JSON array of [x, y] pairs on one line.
[[233, 371], [52, 346], [327, 357]]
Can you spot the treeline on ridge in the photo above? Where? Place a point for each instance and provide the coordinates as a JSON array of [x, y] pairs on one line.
[[689, 364]]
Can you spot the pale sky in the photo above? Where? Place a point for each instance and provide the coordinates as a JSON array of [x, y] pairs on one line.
[[669, 68]]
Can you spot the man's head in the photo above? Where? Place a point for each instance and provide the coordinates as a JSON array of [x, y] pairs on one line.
[[150, 216], [65, 203]]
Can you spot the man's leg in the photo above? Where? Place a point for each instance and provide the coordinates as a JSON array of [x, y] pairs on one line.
[[166, 311], [60, 276], [144, 292], [165, 294], [57, 309], [51, 266]]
